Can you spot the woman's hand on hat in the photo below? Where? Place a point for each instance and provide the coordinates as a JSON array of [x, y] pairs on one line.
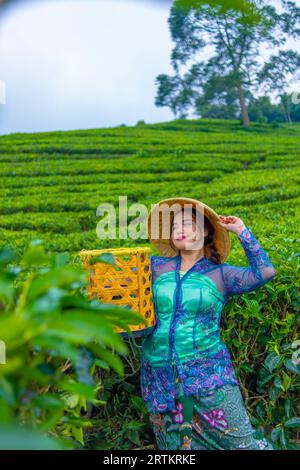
[[232, 223]]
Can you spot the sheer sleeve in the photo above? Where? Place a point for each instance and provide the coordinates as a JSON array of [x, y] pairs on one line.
[[238, 279]]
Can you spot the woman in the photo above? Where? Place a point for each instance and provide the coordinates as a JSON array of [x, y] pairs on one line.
[[187, 379]]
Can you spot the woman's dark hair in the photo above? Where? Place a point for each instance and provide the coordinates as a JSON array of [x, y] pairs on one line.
[[210, 249]]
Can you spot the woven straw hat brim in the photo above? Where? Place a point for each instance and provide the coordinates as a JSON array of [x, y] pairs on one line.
[[163, 245]]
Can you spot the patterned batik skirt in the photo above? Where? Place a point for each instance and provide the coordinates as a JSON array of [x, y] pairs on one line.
[[216, 421]]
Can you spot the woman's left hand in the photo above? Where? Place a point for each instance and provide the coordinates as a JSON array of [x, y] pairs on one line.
[[232, 224]]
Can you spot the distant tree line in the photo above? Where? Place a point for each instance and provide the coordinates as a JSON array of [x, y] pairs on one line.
[[259, 109]]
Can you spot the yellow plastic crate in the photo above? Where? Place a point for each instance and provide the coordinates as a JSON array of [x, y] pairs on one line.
[[128, 287]]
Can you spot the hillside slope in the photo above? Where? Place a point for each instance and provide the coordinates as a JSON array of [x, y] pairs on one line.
[[51, 183]]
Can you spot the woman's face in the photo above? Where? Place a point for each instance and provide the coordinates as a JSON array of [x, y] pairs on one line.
[[185, 233]]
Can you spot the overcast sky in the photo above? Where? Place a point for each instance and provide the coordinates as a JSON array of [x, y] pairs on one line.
[[81, 64]]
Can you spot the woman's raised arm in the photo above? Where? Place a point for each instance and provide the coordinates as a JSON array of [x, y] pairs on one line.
[[238, 279]]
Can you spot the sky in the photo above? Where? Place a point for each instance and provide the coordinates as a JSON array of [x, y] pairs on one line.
[[82, 64]]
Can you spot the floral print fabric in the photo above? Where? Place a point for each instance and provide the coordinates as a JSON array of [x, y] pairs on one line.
[[216, 421]]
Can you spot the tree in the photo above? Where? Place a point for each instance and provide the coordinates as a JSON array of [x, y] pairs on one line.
[[262, 110], [173, 93], [232, 36], [277, 74], [218, 99]]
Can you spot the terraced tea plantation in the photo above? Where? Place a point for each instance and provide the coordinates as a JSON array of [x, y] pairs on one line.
[[53, 182], [51, 186]]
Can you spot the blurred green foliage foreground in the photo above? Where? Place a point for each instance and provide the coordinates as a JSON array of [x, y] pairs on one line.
[[53, 343]]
